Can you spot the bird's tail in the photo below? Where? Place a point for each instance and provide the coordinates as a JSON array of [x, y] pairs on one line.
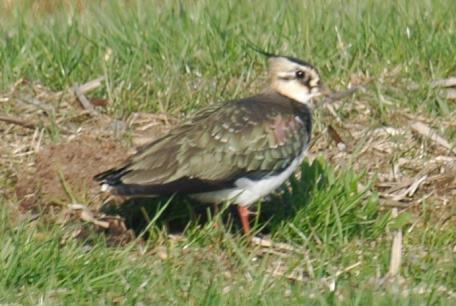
[[111, 177]]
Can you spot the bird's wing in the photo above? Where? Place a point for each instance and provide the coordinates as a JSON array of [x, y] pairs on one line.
[[215, 147]]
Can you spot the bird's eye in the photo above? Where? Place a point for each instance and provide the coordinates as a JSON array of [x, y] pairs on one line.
[[300, 74]]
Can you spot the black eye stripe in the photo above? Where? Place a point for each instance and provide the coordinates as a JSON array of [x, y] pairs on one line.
[[304, 77]]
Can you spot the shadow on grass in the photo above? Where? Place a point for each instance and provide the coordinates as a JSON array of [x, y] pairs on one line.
[[178, 213], [293, 197]]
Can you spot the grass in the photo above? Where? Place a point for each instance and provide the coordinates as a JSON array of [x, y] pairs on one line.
[[157, 55], [174, 57], [213, 266]]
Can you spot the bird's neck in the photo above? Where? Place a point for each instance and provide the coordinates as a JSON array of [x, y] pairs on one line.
[[302, 110]]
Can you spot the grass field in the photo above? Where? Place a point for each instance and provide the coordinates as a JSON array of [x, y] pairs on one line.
[[332, 226]]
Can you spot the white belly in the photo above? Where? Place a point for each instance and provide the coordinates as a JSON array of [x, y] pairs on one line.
[[246, 191]]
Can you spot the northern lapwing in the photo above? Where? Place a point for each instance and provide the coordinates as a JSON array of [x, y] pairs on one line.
[[237, 152]]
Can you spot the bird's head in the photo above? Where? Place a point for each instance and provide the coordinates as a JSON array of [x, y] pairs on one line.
[[295, 79]]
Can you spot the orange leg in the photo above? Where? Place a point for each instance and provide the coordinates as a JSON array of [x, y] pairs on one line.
[[244, 215]]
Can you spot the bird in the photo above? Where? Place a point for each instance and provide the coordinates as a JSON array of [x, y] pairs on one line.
[[234, 152]]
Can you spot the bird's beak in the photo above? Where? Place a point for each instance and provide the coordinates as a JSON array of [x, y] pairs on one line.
[[325, 91]]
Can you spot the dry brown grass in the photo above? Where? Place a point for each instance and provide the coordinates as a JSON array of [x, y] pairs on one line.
[[41, 7], [51, 147]]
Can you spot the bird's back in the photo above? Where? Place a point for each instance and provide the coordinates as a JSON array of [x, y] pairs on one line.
[[250, 138]]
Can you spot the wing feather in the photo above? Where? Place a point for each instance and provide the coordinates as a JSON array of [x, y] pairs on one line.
[[217, 146]]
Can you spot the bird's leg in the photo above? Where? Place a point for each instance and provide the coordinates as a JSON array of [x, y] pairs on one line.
[[216, 210], [244, 215]]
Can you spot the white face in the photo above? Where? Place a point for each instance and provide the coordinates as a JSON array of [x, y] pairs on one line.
[[293, 80]]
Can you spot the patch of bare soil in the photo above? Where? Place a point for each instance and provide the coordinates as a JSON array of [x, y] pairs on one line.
[[64, 171], [53, 144]]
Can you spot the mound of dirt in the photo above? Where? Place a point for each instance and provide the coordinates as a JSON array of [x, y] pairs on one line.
[[64, 171]]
